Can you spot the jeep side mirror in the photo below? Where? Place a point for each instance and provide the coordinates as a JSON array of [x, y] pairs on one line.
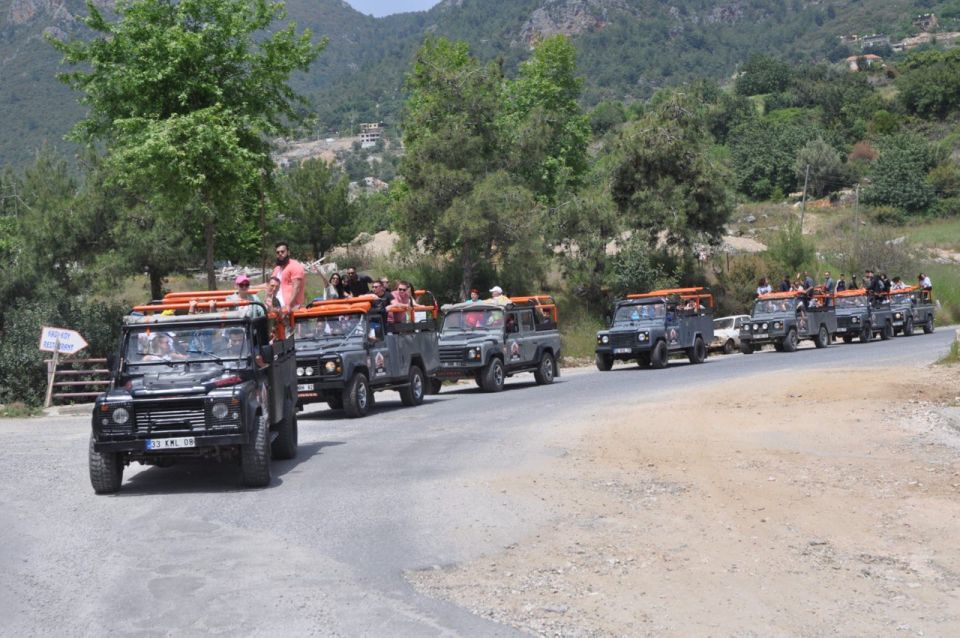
[[266, 352]]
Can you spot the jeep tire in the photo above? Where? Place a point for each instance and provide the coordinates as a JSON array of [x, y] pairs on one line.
[[544, 372], [886, 333], [255, 455], [284, 447], [908, 327], [698, 353], [823, 338], [493, 376], [729, 347], [790, 341], [746, 347], [356, 396], [866, 333], [412, 393], [434, 386], [658, 356], [604, 361], [928, 325], [106, 470]]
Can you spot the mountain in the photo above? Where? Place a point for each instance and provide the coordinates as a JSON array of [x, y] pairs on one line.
[[628, 48]]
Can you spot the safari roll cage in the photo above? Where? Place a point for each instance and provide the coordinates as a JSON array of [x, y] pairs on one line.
[[545, 303], [686, 294], [820, 294], [201, 301], [926, 295]]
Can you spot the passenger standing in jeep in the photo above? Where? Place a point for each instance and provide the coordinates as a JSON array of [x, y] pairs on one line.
[[291, 275]]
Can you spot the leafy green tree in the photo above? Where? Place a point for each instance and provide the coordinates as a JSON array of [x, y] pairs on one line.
[[316, 206], [762, 74], [827, 171], [899, 175], [548, 131], [791, 250], [930, 83], [185, 96], [666, 185], [457, 197], [764, 154], [606, 116]]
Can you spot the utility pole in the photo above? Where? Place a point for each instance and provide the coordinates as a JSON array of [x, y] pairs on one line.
[[803, 202], [856, 221]]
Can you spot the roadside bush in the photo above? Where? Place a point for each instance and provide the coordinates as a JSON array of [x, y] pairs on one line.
[[791, 251], [23, 372], [738, 284]]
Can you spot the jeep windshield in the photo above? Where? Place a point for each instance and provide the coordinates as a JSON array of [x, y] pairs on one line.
[[634, 313], [846, 303], [180, 346], [329, 327], [771, 307], [471, 320]]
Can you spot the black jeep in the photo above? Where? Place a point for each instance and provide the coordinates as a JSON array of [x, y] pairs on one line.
[[218, 385], [347, 349], [911, 307], [786, 318], [649, 327], [863, 315]]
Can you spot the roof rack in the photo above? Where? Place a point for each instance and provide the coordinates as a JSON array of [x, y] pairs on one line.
[[699, 293], [851, 292], [356, 305]]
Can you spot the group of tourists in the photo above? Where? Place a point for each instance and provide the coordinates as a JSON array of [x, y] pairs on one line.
[[873, 282]]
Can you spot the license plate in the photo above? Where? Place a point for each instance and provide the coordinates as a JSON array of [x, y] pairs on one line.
[[622, 350], [171, 444], [450, 364], [841, 329], [759, 335], [304, 387]]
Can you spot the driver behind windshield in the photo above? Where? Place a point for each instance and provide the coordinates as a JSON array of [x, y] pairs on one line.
[[234, 346]]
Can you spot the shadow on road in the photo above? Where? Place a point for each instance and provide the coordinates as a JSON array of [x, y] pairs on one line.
[[193, 476]]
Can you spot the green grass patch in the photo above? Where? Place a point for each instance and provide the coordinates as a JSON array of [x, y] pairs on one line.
[[18, 410], [946, 290], [942, 233], [953, 356]]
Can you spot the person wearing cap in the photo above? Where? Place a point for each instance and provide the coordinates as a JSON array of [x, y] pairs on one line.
[[497, 296], [474, 296], [242, 293]]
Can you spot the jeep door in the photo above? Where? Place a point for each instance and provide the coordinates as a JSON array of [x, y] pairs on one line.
[[378, 351], [514, 347], [529, 338]]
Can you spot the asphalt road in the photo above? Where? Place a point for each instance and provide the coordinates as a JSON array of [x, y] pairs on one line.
[[185, 551]]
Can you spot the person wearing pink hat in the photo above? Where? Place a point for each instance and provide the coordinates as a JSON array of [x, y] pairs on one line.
[[242, 293]]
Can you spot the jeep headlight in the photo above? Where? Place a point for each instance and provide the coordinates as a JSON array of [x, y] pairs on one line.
[[308, 371], [473, 353], [299, 372], [764, 326], [746, 327], [643, 336], [605, 339], [777, 325], [856, 320], [898, 316], [330, 367], [120, 416], [220, 411]]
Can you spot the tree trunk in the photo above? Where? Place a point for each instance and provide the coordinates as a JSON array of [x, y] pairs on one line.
[[156, 284], [209, 229], [467, 262]]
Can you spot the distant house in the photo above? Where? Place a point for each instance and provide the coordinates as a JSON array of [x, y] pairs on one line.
[[874, 40], [370, 134], [926, 22], [860, 62]]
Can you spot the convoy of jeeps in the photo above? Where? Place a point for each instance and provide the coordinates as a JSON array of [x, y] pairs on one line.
[[206, 375]]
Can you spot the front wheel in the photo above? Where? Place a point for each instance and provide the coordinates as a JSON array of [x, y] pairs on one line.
[[493, 376], [255, 456], [928, 325], [106, 470], [698, 353], [604, 362], [658, 357], [746, 347], [412, 393], [866, 334], [790, 341], [729, 347], [823, 338], [908, 327], [285, 445], [887, 332], [356, 396], [544, 372]]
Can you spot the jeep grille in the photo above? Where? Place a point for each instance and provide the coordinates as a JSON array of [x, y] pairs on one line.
[[182, 415], [451, 353], [623, 340]]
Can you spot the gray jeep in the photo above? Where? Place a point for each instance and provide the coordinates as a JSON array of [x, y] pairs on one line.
[[650, 327], [488, 342], [348, 351], [911, 307], [219, 385], [786, 318], [862, 315]]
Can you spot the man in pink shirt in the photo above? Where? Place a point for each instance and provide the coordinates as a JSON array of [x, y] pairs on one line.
[[292, 277]]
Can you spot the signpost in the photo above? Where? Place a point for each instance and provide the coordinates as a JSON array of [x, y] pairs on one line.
[[57, 340]]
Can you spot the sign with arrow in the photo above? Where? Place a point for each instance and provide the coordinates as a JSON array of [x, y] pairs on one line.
[[61, 340]]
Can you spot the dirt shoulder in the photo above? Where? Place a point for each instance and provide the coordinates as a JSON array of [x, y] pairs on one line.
[[783, 505]]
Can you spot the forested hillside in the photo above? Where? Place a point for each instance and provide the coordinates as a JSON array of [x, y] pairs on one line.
[[627, 49]]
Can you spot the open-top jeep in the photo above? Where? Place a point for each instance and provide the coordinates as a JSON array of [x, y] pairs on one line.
[[911, 306], [218, 384], [489, 342], [786, 318], [649, 327], [863, 315], [347, 349]]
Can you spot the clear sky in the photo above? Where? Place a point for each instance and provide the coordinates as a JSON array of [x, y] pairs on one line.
[[386, 7]]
